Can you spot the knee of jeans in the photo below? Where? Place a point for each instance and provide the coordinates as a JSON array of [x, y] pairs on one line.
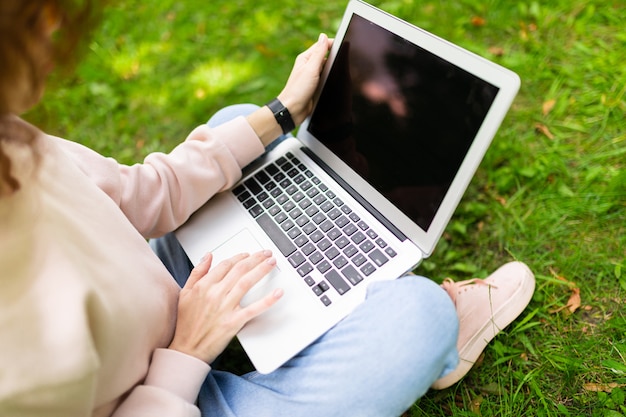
[[424, 309], [230, 112]]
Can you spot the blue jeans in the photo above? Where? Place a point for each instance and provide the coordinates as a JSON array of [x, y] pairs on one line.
[[376, 362]]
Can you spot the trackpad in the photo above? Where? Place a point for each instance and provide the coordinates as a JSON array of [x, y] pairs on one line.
[[244, 242]]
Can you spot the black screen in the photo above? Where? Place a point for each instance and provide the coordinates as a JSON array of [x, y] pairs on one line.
[[400, 116]]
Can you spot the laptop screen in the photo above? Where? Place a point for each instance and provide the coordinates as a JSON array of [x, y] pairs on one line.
[[399, 116]]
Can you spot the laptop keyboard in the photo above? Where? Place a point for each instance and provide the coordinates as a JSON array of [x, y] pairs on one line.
[[312, 227]]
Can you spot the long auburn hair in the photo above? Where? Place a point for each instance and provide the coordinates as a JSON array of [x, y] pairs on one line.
[[26, 55]]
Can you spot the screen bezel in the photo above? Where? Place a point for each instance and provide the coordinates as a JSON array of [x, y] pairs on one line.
[[505, 80]]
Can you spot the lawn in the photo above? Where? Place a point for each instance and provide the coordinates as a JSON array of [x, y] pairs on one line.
[[551, 190]]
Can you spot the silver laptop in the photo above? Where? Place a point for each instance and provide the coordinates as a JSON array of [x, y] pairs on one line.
[[401, 122]]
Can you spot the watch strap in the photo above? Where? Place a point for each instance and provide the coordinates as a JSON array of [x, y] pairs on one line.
[[282, 115]]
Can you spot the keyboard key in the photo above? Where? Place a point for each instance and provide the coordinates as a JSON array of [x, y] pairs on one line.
[[332, 253], [324, 299], [362, 225], [294, 233], [271, 169], [249, 203], [324, 244], [311, 211], [350, 229], [305, 269], [274, 232], [316, 236], [323, 267], [238, 190], [378, 257], [326, 225], [368, 269], [243, 196], [372, 234], [359, 259], [342, 221], [350, 251], [308, 249], [366, 246], [256, 210], [358, 237], [337, 282], [342, 242], [280, 217], [318, 218], [390, 252], [334, 233], [304, 204], [381, 243], [301, 240], [316, 257], [340, 262], [262, 177], [334, 213], [296, 259], [306, 185], [309, 281], [253, 186], [352, 275], [309, 228]]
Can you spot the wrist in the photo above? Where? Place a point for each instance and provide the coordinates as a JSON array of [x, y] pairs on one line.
[[282, 115]]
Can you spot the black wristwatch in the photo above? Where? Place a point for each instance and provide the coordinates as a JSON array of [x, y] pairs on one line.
[[282, 115]]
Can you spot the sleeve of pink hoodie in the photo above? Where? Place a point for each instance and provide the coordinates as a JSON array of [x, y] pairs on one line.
[[160, 194], [170, 388]]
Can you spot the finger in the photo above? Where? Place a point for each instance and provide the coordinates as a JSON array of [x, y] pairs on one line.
[[239, 271], [199, 270], [244, 283], [316, 52], [261, 306], [222, 269]]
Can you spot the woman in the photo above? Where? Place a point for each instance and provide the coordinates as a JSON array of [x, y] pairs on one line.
[[91, 321]]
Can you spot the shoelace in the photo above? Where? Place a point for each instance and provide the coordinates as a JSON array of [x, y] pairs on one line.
[[454, 288]]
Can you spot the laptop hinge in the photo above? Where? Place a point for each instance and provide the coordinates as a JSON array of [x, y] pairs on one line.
[[358, 197]]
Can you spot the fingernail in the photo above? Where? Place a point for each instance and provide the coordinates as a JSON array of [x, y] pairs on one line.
[[271, 261], [267, 253], [278, 292], [321, 38]]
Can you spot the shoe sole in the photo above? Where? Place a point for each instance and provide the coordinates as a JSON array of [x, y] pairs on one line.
[[501, 318]]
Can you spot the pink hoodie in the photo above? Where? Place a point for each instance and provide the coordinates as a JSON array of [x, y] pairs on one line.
[[86, 308]]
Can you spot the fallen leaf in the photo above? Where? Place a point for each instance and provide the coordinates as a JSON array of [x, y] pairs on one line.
[[478, 21], [475, 404], [548, 106], [541, 128], [496, 50], [574, 301], [591, 386]]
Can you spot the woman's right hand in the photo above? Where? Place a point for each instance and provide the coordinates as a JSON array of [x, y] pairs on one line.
[[209, 310]]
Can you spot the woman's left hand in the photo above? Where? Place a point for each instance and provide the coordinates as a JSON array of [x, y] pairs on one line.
[[297, 95]]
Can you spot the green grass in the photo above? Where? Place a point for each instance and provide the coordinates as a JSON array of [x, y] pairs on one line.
[[551, 190]]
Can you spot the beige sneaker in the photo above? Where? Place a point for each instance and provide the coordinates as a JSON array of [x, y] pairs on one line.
[[484, 308]]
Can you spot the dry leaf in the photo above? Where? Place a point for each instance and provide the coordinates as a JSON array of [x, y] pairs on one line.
[[591, 386], [574, 301], [478, 21], [548, 106], [541, 128], [496, 50], [475, 404]]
